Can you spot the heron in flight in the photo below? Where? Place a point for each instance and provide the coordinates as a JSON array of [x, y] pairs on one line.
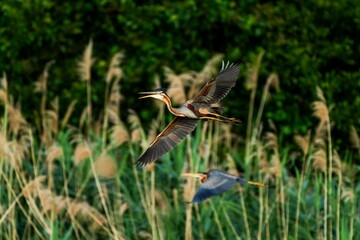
[[215, 182], [200, 107]]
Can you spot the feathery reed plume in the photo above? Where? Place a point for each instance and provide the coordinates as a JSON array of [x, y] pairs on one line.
[[41, 86], [354, 138], [113, 116], [253, 72], [105, 166], [3, 145], [51, 123], [119, 134], [84, 69], [137, 134], [231, 165], [319, 160], [160, 202], [271, 141], [16, 152], [123, 208], [69, 111], [82, 152], [303, 142], [85, 115], [275, 173], [53, 153], [337, 164], [210, 67], [115, 97], [153, 130], [251, 84], [177, 85], [86, 212], [4, 90], [321, 111], [348, 195], [41, 83], [16, 120], [112, 102], [115, 71], [50, 201], [84, 65], [337, 169], [54, 115], [272, 81], [32, 187]]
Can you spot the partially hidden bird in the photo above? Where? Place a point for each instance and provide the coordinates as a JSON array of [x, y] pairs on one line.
[[215, 182], [200, 107]]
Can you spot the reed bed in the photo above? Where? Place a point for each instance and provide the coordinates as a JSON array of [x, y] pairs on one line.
[[78, 182]]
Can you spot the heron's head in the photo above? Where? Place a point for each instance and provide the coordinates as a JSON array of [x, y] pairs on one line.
[[159, 93], [201, 175]]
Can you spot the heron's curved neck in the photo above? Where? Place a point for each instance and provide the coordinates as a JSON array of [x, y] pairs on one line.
[[167, 101]]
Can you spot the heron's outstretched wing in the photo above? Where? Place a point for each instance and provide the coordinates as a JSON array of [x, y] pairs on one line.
[[218, 87], [213, 186], [168, 139]]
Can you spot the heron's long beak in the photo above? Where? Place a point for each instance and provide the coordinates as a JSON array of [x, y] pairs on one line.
[[197, 175], [257, 184], [147, 94]]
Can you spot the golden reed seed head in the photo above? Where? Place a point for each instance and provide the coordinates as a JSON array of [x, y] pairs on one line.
[[115, 71], [82, 151], [347, 194], [105, 166], [320, 111], [32, 187], [354, 138], [303, 142], [53, 152], [84, 65], [3, 96], [119, 135], [319, 160], [84, 115], [177, 84]]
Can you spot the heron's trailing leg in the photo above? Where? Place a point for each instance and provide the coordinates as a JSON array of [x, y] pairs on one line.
[[257, 184], [222, 117], [223, 120]]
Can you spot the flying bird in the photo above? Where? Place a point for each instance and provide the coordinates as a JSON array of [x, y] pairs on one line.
[[215, 182], [200, 107]]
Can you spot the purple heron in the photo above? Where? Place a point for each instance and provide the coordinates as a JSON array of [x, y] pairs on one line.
[[200, 107], [215, 182]]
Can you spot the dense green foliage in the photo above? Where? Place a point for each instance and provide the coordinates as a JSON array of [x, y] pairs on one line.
[[307, 43]]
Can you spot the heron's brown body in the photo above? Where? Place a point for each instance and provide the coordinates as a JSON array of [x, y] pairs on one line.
[[200, 107]]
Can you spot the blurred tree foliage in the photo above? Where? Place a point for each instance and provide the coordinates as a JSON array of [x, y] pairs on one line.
[[307, 43]]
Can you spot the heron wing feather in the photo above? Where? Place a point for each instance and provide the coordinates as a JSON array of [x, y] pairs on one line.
[[218, 87], [171, 136], [214, 185]]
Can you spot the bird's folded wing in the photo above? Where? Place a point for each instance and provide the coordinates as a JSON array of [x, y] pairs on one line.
[[171, 136], [218, 87], [214, 185]]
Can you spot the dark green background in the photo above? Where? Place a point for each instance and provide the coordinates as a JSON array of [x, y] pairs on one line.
[[307, 43]]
